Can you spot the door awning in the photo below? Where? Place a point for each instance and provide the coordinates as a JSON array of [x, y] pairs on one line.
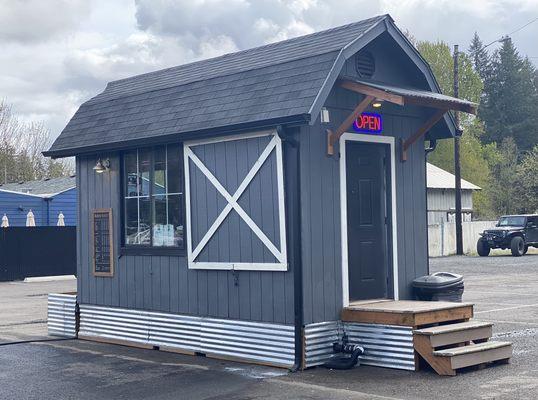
[[402, 96]]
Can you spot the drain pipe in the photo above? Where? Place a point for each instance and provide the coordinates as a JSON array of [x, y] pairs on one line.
[[431, 147], [292, 195]]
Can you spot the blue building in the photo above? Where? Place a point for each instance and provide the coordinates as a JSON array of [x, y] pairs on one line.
[[46, 198]]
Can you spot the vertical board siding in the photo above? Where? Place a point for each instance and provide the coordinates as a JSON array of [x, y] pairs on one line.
[[17, 205], [164, 283], [66, 203], [320, 208]]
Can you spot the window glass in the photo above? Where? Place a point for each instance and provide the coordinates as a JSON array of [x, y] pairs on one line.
[[131, 221], [512, 221], [175, 219], [175, 170], [144, 224], [153, 197], [131, 173], [159, 179], [144, 168]]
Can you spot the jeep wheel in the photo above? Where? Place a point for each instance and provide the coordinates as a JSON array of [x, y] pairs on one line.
[[517, 245], [482, 248], [526, 249]]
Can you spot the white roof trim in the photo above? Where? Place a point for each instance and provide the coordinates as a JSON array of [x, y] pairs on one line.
[[438, 178]]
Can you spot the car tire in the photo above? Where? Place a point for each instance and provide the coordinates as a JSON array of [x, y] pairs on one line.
[[526, 249], [482, 248], [517, 245]]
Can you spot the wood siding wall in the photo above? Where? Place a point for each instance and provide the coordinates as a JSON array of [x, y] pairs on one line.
[[164, 283], [320, 187], [441, 201]]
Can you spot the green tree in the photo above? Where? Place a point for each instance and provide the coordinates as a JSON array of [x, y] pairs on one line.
[[479, 57], [475, 166], [505, 199], [527, 182], [510, 103]]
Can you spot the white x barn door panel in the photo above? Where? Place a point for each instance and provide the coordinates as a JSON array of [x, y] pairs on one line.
[[276, 248]]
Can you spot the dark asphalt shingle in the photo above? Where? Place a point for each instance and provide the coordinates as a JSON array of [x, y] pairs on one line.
[[270, 82]]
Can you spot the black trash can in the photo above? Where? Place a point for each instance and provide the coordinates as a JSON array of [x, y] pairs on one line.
[[440, 286]]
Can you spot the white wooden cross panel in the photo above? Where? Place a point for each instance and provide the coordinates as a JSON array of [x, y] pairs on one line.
[[275, 144]]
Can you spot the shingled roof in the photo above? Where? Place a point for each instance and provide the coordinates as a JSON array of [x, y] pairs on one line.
[[277, 82], [43, 188], [283, 82]]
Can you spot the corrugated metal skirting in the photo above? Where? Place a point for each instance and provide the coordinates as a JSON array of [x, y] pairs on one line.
[[384, 345], [244, 340], [319, 339], [61, 315], [388, 346]]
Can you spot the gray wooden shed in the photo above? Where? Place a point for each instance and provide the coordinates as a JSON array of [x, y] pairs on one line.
[[234, 206]]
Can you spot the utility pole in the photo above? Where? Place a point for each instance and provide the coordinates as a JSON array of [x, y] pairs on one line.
[[457, 166]]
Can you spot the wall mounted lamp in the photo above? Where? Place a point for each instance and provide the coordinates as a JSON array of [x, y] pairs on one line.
[[102, 166]]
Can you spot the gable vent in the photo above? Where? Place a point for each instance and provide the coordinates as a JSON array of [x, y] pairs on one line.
[[365, 64]]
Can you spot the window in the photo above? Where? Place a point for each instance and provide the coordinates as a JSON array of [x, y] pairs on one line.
[[153, 198]]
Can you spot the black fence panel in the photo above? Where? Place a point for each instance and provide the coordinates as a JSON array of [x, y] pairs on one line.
[[37, 251]]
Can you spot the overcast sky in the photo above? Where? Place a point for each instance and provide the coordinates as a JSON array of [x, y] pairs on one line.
[[56, 54]]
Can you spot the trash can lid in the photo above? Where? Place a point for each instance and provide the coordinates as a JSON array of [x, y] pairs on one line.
[[438, 280]]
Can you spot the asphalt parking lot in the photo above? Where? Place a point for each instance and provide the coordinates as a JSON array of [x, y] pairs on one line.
[[504, 290]]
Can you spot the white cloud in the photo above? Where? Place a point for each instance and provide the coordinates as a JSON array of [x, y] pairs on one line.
[[57, 54], [37, 20]]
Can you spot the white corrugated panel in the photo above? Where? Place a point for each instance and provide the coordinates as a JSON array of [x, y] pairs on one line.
[[61, 315], [245, 340]]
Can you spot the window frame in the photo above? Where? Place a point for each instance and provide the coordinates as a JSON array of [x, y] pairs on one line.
[[149, 249]]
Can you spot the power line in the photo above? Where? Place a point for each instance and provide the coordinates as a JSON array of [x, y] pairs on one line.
[[524, 26]]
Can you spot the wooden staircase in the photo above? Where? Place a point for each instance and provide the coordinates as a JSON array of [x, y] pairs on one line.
[[452, 346]]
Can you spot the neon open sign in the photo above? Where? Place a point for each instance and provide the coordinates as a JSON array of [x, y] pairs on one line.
[[368, 123]]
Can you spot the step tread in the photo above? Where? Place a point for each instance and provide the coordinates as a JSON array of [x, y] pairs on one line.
[[469, 349], [450, 328]]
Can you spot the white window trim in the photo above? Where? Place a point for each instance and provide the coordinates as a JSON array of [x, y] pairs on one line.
[[343, 207], [280, 254]]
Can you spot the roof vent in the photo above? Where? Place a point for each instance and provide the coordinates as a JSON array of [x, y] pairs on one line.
[[365, 64]]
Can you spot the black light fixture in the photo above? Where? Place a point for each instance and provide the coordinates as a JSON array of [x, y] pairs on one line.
[[377, 103], [102, 166]]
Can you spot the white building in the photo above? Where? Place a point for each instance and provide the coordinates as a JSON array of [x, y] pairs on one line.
[[442, 196]]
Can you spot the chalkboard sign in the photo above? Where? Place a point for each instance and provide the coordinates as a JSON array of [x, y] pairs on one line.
[[103, 245]]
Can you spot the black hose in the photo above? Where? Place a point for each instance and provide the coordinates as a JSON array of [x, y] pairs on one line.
[[345, 362], [34, 341]]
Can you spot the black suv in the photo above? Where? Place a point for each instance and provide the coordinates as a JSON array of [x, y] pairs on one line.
[[514, 232]]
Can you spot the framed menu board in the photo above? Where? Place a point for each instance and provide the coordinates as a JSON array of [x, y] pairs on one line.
[[102, 242]]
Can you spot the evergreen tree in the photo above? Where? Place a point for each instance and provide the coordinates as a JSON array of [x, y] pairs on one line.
[[527, 178], [479, 56], [509, 107]]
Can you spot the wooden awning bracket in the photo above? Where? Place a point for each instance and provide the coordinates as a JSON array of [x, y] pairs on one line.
[[332, 137], [405, 144]]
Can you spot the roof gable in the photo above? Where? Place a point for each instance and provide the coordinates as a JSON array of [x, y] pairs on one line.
[[283, 82], [278, 82]]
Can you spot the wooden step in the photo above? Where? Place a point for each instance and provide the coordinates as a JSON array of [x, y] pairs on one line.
[[406, 312], [475, 354], [462, 332]]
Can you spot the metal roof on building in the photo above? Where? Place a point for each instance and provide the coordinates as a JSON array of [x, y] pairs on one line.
[[413, 93], [42, 188], [438, 178]]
